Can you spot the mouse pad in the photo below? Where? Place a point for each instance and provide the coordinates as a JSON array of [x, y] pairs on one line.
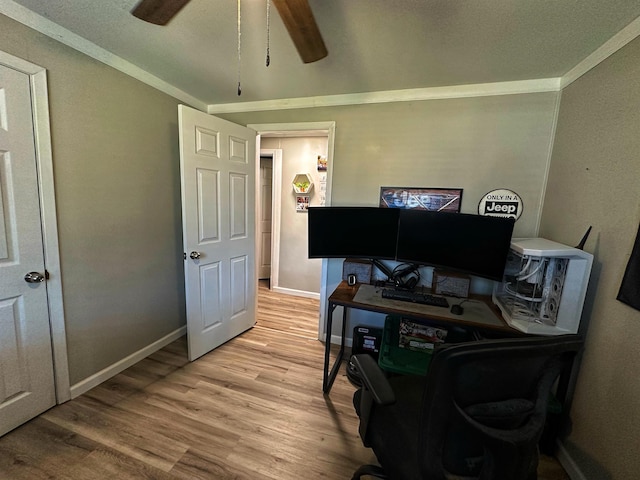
[[475, 311]]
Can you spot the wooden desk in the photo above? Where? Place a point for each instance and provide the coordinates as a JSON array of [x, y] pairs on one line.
[[479, 314]]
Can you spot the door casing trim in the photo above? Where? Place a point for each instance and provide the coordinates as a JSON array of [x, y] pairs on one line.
[[44, 166]]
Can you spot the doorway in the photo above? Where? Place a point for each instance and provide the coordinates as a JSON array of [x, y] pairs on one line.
[[265, 213], [286, 274]]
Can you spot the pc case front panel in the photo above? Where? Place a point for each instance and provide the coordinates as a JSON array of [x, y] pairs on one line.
[[544, 287]]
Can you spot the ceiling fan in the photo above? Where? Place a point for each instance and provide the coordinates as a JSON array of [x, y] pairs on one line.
[[296, 15]]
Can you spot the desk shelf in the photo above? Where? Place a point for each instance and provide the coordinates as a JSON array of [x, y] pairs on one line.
[[343, 296]]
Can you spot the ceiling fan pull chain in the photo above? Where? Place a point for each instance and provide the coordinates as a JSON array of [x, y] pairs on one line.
[[239, 49], [268, 32]]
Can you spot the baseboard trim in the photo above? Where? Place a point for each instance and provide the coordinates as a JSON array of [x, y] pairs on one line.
[[96, 379], [335, 340], [568, 463], [297, 293]]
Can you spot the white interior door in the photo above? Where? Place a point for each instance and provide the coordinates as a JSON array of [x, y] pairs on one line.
[[266, 208], [217, 164], [26, 362]]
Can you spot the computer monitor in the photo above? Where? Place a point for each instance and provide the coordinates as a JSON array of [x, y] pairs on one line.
[[355, 232], [473, 244]]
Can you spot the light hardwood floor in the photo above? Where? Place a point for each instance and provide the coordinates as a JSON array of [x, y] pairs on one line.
[[252, 409]]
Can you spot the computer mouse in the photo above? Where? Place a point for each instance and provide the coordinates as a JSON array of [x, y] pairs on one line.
[[457, 309]]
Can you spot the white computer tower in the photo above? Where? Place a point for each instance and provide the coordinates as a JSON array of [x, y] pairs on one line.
[[544, 286]]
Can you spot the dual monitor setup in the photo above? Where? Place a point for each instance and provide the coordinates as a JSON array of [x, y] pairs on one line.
[[472, 244]]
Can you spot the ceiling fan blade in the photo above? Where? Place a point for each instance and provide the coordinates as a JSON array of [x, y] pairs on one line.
[[159, 12], [303, 30]]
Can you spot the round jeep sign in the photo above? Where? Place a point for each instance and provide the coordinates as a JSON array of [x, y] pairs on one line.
[[501, 203]]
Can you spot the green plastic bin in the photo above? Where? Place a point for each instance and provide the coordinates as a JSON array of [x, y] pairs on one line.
[[393, 358]]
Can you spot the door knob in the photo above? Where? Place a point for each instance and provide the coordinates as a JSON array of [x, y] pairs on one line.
[[194, 255], [34, 277]]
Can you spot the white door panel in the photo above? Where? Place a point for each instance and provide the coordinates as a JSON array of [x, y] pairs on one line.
[[240, 285], [217, 161], [26, 362], [207, 195], [210, 290]]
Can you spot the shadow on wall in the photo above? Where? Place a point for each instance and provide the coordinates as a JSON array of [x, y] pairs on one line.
[[588, 466]]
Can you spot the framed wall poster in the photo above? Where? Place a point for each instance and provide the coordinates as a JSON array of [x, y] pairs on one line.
[[302, 203], [434, 199]]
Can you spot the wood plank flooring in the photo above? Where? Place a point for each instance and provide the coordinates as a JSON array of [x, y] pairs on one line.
[[252, 409]]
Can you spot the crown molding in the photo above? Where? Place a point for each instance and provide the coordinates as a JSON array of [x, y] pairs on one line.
[[47, 27], [408, 95], [615, 43]]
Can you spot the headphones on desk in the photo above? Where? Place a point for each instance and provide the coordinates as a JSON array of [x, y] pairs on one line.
[[404, 276], [407, 284], [407, 277]]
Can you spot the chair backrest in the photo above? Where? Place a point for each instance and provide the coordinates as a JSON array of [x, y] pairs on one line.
[[485, 406]]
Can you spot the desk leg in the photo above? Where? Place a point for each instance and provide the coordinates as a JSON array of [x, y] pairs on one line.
[[330, 376]]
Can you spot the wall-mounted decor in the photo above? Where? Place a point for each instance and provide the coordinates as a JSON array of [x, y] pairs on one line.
[[501, 203], [322, 187], [322, 163], [435, 199], [302, 183], [302, 203], [629, 292]]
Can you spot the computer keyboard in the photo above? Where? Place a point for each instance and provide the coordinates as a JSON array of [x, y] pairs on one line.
[[415, 297]]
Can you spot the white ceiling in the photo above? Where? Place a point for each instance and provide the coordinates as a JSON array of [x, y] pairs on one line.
[[374, 45]]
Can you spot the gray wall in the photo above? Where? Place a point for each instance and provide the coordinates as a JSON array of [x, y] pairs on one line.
[[595, 180], [116, 168], [477, 144]]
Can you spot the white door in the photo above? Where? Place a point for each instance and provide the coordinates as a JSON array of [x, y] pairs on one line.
[[26, 362], [217, 164], [266, 205]]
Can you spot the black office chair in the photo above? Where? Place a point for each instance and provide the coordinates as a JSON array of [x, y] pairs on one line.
[[478, 414]]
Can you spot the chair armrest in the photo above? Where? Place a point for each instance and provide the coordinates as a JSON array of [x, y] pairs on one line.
[[373, 379]]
